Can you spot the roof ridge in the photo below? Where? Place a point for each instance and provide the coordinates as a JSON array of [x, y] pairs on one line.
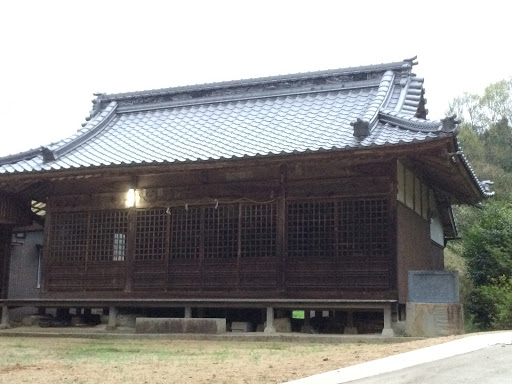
[[95, 126], [25, 155], [381, 97], [405, 64], [410, 122]]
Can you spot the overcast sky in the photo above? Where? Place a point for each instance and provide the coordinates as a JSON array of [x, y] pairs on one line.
[[56, 54]]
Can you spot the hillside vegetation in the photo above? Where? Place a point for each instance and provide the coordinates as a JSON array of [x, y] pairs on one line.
[[484, 255]]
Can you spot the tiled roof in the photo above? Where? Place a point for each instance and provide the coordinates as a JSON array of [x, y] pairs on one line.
[[259, 117]]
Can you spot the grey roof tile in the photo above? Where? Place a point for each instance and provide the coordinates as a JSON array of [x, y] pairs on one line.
[[257, 117]]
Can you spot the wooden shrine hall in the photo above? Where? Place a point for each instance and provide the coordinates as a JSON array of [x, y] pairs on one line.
[[314, 191]]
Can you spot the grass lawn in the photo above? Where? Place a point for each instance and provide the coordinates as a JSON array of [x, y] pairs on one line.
[[45, 360]]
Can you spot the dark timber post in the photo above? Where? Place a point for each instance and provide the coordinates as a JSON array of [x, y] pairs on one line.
[[393, 227], [281, 229], [46, 248], [5, 259], [130, 238], [130, 248]]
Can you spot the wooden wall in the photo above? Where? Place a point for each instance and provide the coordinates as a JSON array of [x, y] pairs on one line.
[[415, 250], [5, 250], [14, 211], [346, 251]]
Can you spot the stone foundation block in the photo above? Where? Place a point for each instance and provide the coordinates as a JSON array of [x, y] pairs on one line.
[[180, 325], [241, 326], [434, 319]]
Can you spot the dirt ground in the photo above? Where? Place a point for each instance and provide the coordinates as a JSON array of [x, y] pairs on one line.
[[46, 360]]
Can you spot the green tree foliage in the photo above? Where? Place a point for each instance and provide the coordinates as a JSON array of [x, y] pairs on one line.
[[486, 139], [498, 143], [491, 305], [479, 112], [486, 134], [488, 244], [488, 252]]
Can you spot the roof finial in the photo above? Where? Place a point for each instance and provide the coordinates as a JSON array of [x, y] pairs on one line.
[[450, 124], [411, 60], [96, 105], [361, 128]]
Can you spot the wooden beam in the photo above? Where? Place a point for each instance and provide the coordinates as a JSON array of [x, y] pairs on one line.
[[281, 228], [130, 248], [372, 154]]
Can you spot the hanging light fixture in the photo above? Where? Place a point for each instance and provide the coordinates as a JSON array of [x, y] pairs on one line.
[[130, 198]]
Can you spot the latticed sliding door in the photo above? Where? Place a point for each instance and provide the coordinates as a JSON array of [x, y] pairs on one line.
[[225, 247], [87, 251], [342, 244], [67, 250], [190, 248], [151, 250]]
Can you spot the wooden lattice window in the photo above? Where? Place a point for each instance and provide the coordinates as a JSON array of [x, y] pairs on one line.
[[68, 234], [150, 235], [311, 229], [363, 227], [221, 232], [108, 235], [338, 228], [259, 230], [185, 232]]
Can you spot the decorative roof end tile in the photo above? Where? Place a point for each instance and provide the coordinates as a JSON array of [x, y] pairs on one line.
[[97, 105], [486, 185], [450, 124], [361, 128], [412, 60]]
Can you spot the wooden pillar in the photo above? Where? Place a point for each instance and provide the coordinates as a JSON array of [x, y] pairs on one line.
[[4, 324], [5, 259], [393, 228], [281, 229], [387, 331], [112, 318], [269, 328], [130, 249], [46, 249]]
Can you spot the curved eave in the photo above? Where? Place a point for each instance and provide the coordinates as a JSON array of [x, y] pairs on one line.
[[445, 128], [402, 146], [483, 187], [53, 151]]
